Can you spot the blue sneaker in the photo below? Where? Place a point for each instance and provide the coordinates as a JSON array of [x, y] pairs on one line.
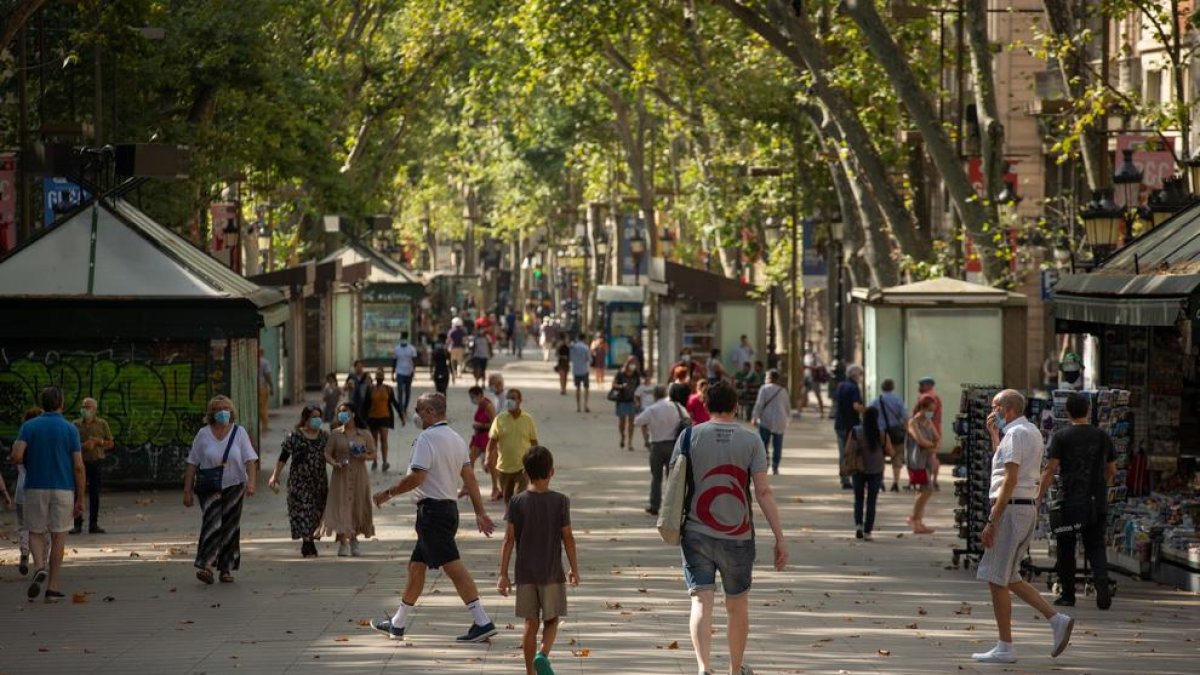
[[478, 633], [541, 664], [385, 626]]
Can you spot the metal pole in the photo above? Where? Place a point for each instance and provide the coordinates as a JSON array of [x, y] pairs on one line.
[[795, 360]]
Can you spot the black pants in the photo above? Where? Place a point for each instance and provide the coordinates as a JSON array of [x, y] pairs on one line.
[[92, 472], [440, 382], [660, 457], [1093, 549], [404, 392]]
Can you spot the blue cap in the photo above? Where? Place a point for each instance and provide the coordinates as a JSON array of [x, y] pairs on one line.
[[926, 380]]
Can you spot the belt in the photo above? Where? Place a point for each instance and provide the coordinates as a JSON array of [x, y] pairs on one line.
[[430, 501], [1019, 502]]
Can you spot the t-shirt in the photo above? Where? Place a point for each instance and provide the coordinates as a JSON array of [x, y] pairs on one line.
[[441, 362], [93, 429], [645, 396], [724, 457], [844, 398], [207, 452], [514, 436], [889, 402], [1021, 444], [406, 358], [456, 337], [1083, 451], [538, 519], [742, 354], [581, 358], [441, 453], [50, 443], [697, 409]]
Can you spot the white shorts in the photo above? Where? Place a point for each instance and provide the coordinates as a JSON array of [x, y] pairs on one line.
[[1001, 564], [49, 510]]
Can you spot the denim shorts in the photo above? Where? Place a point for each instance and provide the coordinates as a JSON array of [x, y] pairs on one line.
[[703, 556]]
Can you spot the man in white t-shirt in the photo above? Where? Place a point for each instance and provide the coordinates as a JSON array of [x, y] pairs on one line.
[[1016, 469], [406, 365], [440, 460]]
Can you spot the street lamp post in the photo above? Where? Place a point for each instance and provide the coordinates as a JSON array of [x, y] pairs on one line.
[[1101, 225], [233, 243], [837, 230], [774, 235], [637, 249], [666, 243]]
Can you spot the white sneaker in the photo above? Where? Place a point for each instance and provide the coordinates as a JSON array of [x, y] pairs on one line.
[[867, 536], [343, 550], [1061, 625], [997, 654]]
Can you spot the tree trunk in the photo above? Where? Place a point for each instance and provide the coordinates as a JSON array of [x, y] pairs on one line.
[[941, 151], [991, 130], [1060, 14]]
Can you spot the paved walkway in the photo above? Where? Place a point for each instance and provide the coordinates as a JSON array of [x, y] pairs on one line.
[[843, 606]]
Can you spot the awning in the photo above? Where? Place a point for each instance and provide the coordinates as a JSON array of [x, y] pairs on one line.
[[621, 294], [1120, 311]]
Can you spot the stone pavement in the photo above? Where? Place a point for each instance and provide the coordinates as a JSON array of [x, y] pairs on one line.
[[842, 606]]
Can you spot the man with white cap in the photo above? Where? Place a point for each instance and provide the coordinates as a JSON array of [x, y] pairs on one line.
[[456, 342]]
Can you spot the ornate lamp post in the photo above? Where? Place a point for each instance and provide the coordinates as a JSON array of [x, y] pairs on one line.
[[666, 243], [837, 229], [1102, 225], [637, 248], [774, 231]]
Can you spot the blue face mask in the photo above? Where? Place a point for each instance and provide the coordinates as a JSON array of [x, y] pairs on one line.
[[222, 416], [343, 417], [1000, 422], [314, 422]]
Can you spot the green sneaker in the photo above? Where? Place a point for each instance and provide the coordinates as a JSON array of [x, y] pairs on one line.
[[541, 664]]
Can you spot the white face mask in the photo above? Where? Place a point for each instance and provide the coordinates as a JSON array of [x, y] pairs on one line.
[[510, 405], [417, 421]]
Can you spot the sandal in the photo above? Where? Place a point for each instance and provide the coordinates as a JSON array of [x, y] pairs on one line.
[[205, 575], [226, 578]]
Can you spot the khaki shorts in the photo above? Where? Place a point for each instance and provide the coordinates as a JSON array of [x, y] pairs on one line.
[[544, 602], [512, 483], [1001, 564], [49, 510], [456, 354]]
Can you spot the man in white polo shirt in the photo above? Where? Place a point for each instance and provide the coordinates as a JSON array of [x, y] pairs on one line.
[[1016, 468], [440, 460]]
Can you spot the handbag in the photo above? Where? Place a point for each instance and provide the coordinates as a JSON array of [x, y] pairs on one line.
[[685, 422], [208, 481], [896, 433], [852, 461], [676, 500]]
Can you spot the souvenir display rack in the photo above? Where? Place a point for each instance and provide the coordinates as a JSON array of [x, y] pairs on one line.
[[973, 474]]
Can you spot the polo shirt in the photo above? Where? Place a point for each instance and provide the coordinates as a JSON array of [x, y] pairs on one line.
[[441, 453], [1022, 445], [51, 443], [514, 436]]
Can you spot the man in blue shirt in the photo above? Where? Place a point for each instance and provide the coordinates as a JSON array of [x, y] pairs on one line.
[[848, 407], [48, 447], [581, 358], [893, 420]]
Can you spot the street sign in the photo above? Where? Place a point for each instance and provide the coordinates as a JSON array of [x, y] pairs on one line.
[[61, 196]]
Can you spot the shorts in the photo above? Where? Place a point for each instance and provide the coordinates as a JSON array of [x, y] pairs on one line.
[[49, 510], [479, 363], [456, 354], [380, 423], [703, 556], [1001, 564], [626, 408], [581, 381], [918, 477], [437, 526], [541, 601], [512, 483]]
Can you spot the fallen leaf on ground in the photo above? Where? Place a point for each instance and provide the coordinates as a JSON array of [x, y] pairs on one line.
[[508, 626], [79, 598], [922, 611], [365, 623], [912, 626], [582, 653], [572, 641], [674, 644], [134, 554], [43, 649], [798, 500], [612, 605], [341, 638], [109, 598], [884, 652]]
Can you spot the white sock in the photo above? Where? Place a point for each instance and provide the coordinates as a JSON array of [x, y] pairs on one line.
[[477, 613], [1002, 646], [400, 618]]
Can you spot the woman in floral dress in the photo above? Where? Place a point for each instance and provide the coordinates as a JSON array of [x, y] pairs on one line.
[[307, 486], [349, 513]]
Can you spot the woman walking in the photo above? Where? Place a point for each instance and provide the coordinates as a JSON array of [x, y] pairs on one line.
[[872, 445], [625, 385], [599, 350], [562, 365], [221, 472], [679, 391], [481, 351], [697, 404], [307, 485], [348, 513], [331, 395], [923, 439], [381, 416], [481, 423]]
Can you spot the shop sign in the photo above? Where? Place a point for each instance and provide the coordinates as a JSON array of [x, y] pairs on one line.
[[387, 293], [1154, 156], [223, 213], [8, 201], [60, 196]]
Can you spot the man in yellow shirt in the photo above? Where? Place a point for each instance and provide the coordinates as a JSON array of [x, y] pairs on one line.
[[513, 433], [95, 437]]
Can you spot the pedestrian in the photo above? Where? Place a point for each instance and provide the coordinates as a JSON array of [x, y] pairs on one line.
[[725, 459], [848, 406], [549, 337], [495, 390], [510, 330], [307, 485], [1050, 370], [697, 405], [539, 528], [512, 434], [358, 389], [772, 411], [331, 395], [348, 513], [1070, 372], [638, 352], [562, 364], [404, 368], [714, 369], [481, 423], [746, 394], [664, 421], [266, 388], [624, 396], [742, 354], [893, 421], [440, 460], [441, 365], [924, 437], [925, 387], [1082, 465], [55, 482], [695, 371], [95, 438], [816, 376], [381, 417], [1016, 467], [456, 342], [481, 351], [580, 360], [599, 353], [872, 445], [679, 391], [19, 502], [221, 448], [645, 398], [520, 331]]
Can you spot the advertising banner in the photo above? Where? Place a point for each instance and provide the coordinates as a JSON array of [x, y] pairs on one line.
[[60, 197], [1150, 154]]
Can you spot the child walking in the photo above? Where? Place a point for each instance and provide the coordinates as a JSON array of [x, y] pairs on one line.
[[539, 526]]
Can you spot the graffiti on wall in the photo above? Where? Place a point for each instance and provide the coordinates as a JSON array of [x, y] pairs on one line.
[[153, 396]]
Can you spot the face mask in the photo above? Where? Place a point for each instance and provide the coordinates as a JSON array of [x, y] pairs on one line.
[[222, 416], [418, 422], [686, 358], [314, 422], [343, 417], [928, 414], [1000, 422], [511, 405]]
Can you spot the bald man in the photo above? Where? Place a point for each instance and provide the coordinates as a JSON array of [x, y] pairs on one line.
[[96, 438]]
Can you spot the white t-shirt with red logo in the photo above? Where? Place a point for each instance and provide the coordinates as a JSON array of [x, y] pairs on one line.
[[723, 458]]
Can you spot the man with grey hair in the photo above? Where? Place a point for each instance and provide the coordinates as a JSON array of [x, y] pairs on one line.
[[665, 419], [1016, 468], [95, 438], [847, 412]]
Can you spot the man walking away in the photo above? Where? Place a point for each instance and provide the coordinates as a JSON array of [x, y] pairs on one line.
[[402, 372], [513, 433], [725, 459], [48, 447], [358, 386], [772, 410], [266, 387], [441, 368], [456, 342], [95, 438], [848, 408], [440, 460], [893, 417], [664, 420], [1015, 468], [1083, 460], [581, 358]]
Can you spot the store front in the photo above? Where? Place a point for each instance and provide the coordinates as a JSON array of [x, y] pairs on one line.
[[389, 303], [621, 308]]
